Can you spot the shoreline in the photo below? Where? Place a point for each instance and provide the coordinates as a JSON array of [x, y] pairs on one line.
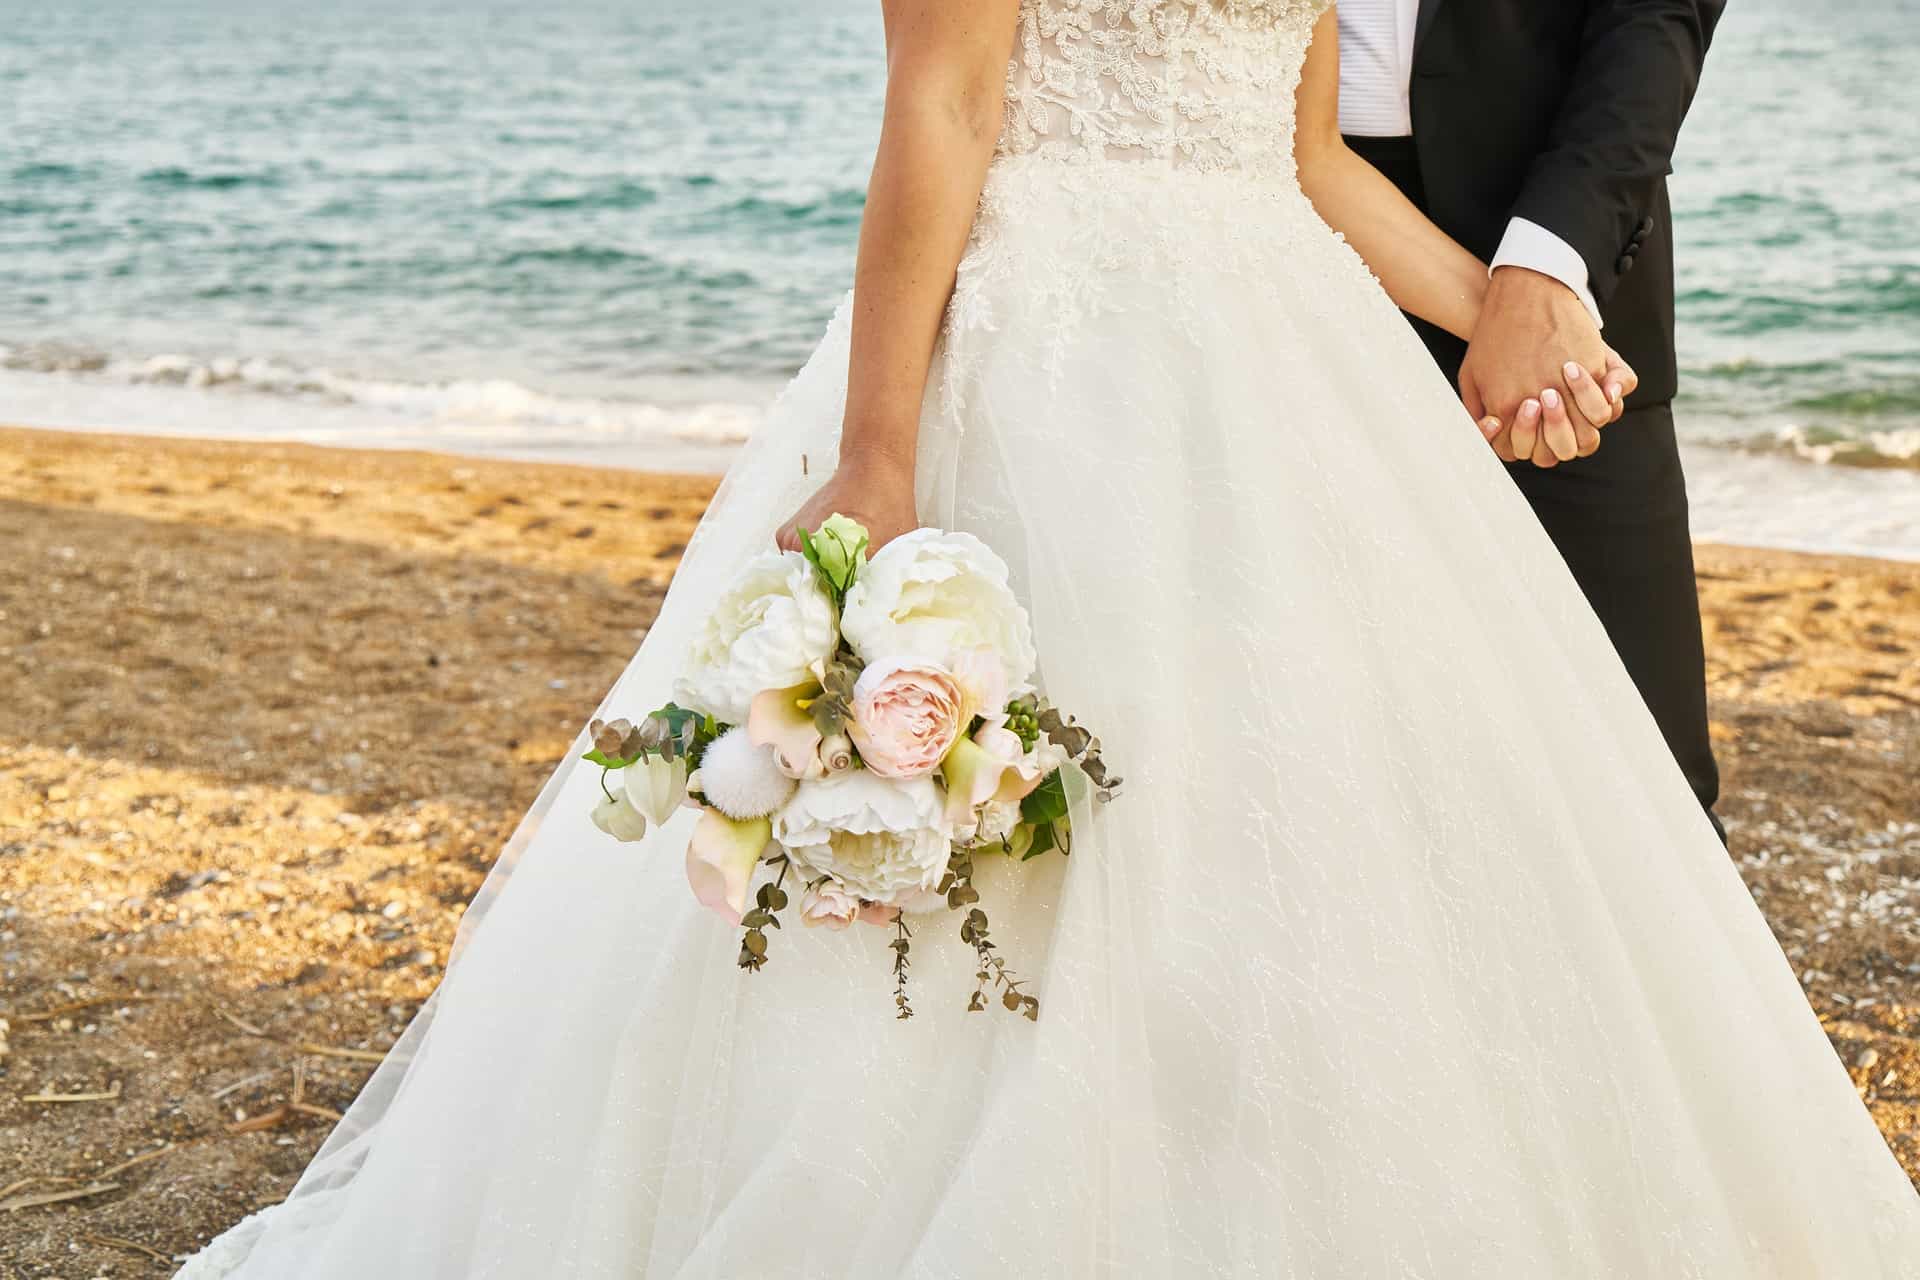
[[268, 711], [1741, 495]]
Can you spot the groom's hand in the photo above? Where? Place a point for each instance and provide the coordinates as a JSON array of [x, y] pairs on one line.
[[1537, 363]]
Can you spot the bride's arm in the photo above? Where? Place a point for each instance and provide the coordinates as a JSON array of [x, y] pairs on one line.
[[946, 82], [1424, 270]]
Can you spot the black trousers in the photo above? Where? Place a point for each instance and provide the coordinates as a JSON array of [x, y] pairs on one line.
[[1619, 519]]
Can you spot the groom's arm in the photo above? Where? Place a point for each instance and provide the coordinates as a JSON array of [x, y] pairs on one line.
[[1588, 196], [1613, 139]]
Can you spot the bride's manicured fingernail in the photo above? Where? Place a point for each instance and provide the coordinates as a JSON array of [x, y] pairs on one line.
[[1530, 409], [1550, 398], [1573, 371]]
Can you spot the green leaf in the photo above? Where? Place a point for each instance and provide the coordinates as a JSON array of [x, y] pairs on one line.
[[608, 762], [1042, 842], [1046, 802]]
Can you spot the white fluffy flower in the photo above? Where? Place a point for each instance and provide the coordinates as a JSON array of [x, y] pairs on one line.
[[929, 596], [884, 840], [740, 779], [766, 632]]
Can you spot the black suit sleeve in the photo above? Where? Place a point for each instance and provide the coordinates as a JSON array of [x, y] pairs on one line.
[[1612, 142]]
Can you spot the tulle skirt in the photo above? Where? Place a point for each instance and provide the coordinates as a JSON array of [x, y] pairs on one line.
[[1405, 952]]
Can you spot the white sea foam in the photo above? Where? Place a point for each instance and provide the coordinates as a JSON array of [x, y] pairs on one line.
[[258, 398], [1767, 498], [1894, 446]]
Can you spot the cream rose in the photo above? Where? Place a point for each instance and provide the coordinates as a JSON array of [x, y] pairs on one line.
[[930, 596], [766, 632], [905, 717], [883, 840]]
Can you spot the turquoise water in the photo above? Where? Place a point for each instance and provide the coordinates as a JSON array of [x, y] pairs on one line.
[[605, 229]]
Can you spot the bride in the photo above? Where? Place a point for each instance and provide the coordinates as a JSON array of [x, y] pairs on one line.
[[1392, 961]]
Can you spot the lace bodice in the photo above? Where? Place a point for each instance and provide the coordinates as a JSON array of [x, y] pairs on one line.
[[1207, 83]]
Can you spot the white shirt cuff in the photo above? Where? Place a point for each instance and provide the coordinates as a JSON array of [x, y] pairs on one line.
[[1530, 245]]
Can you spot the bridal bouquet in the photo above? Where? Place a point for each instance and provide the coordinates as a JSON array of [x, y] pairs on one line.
[[856, 731]]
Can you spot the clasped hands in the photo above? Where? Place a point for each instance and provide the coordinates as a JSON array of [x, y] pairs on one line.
[[1537, 377]]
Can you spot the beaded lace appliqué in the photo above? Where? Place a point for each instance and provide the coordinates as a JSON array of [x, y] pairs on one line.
[[1203, 82]]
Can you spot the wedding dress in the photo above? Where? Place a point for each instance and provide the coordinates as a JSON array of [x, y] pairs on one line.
[[1406, 952]]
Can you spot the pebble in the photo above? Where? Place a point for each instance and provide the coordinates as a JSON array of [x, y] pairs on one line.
[[1868, 1059]]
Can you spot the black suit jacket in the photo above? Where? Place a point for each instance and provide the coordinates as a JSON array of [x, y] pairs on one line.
[[1564, 112]]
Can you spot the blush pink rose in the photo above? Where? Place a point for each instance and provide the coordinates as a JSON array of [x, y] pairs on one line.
[[829, 904], [906, 717]]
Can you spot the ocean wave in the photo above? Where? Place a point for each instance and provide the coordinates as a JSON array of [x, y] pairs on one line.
[[501, 408], [177, 179], [1897, 447], [618, 196]]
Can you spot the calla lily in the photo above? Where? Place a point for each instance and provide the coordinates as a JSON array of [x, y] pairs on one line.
[[778, 719], [721, 857], [656, 786], [984, 682], [991, 765]]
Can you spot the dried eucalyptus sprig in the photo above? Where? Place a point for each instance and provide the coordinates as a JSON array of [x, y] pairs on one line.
[[833, 706], [976, 933], [902, 943], [770, 899], [1082, 748], [671, 733]]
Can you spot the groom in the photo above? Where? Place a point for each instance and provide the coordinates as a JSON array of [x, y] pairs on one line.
[[1539, 135]]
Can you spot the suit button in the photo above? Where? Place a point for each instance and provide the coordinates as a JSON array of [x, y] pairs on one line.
[[1646, 228], [1625, 264]]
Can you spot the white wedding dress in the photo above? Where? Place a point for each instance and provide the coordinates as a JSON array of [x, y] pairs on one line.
[[1406, 952]]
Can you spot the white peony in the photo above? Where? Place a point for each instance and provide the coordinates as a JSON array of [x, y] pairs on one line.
[[930, 596], [769, 629], [884, 840]]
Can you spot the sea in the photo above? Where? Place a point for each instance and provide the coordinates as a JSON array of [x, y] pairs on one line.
[[608, 231]]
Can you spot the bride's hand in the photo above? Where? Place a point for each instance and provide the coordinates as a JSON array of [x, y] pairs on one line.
[[878, 495]]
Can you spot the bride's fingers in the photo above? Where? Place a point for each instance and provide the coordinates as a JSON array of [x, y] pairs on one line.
[[1557, 427], [1495, 434], [1620, 382], [1587, 437], [1526, 429], [1590, 404]]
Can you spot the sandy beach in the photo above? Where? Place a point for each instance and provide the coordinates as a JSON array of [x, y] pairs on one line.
[[268, 711]]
